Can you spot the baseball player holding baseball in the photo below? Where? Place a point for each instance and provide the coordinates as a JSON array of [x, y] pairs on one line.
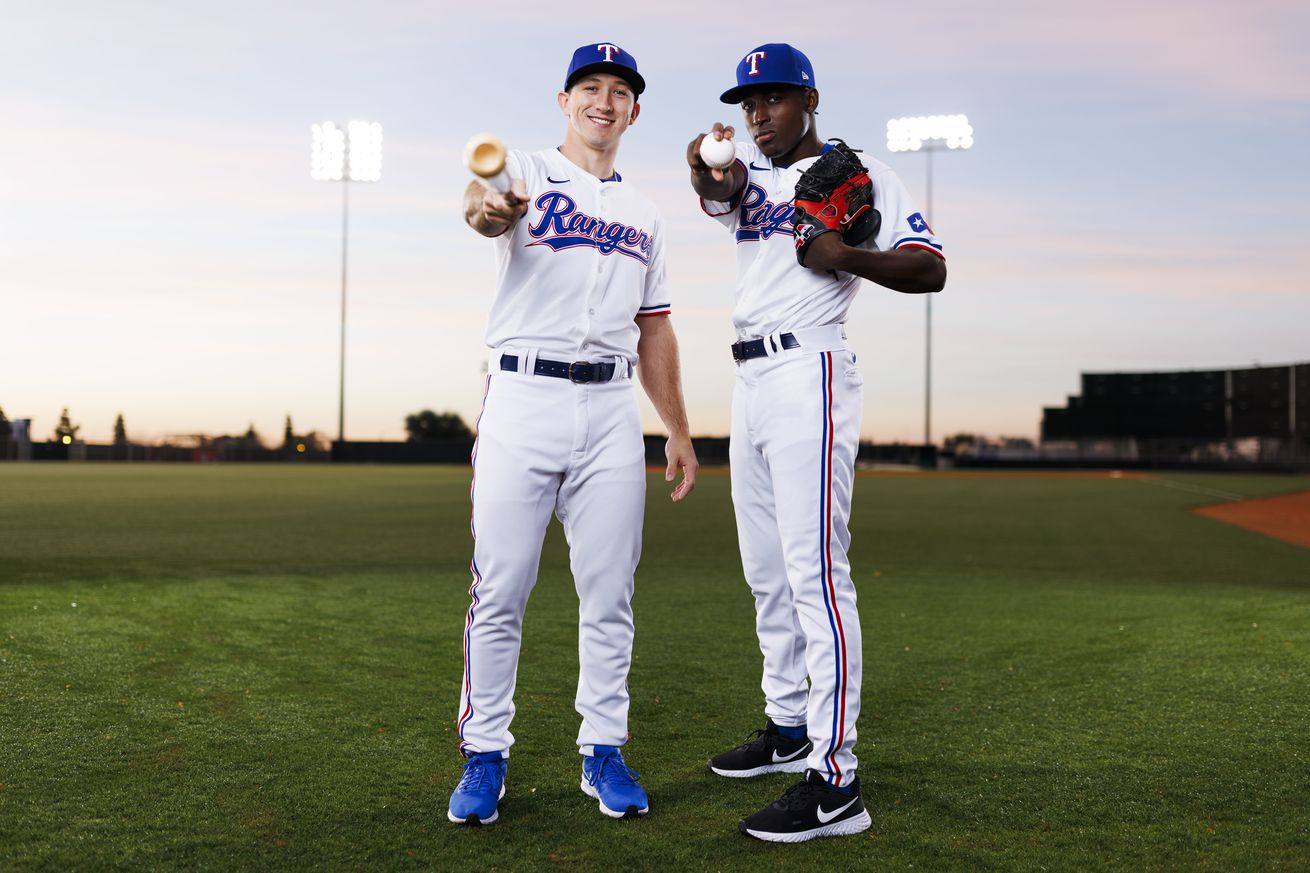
[[796, 413], [581, 297]]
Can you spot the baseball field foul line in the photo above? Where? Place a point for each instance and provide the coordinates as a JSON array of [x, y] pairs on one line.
[[1197, 489]]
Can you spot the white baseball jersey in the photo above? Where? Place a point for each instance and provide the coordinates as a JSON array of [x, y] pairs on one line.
[[588, 257], [774, 292]]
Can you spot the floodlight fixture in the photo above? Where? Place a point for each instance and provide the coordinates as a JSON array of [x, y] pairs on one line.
[[345, 154], [327, 161], [929, 132], [351, 153], [365, 154]]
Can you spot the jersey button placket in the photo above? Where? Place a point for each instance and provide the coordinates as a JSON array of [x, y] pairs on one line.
[[600, 213], [600, 271], [582, 393]]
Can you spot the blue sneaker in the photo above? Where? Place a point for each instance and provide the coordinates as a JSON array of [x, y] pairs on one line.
[[612, 782], [473, 802]]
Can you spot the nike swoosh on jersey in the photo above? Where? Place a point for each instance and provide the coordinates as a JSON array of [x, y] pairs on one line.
[[556, 181], [761, 169], [825, 816], [778, 759]]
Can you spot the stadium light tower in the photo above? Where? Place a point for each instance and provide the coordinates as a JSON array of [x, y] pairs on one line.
[[345, 155], [928, 134]]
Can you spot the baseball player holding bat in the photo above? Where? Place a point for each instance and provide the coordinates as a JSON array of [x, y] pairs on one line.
[[581, 299], [809, 221]]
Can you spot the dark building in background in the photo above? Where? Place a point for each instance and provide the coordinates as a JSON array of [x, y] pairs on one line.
[[1257, 413]]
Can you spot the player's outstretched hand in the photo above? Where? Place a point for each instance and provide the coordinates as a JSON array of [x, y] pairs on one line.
[[698, 166], [490, 212], [501, 210], [681, 454]]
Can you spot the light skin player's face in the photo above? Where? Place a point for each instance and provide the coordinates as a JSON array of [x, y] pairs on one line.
[[599, 108], [778, 118]]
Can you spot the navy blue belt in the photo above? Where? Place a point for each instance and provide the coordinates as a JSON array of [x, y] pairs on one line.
[[580, 372], [744, 351]]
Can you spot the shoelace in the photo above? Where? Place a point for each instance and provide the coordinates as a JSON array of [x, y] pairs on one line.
[[619, 771], [754, 741], [476, 773], [796, 796]]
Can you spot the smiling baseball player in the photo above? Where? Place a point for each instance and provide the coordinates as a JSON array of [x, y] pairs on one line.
[[809, 220], [581, 297]]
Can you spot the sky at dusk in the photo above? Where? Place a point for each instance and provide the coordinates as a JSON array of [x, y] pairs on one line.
[[1135, 199]]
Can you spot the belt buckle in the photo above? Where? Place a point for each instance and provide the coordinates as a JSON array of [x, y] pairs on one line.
[[739, 351], [588, 372]]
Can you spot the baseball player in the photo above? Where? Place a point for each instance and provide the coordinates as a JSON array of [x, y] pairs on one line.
[[796, 413], [581, 297]]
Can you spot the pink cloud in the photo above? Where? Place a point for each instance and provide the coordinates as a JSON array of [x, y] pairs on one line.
[[1249, 51]]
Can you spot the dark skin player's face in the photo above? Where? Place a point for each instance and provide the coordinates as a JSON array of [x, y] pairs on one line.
[[780, 119]]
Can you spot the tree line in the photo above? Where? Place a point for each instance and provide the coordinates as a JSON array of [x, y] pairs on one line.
[[422, 426]]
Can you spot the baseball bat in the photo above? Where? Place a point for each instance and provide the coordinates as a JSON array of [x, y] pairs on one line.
[[485, 157]]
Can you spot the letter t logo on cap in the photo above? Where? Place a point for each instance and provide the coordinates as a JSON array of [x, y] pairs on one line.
[[754, 58], [609, 50]]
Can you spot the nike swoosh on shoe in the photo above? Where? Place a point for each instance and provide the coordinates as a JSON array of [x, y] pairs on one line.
[[825, 816], [778, 759]]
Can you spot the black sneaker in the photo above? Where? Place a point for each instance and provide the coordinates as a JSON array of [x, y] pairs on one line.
[[810, 808], [765, 751]]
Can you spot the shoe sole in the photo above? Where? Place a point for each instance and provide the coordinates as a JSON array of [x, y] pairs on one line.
[[473, 820], [630, 812], [797, 766], [853, 825]]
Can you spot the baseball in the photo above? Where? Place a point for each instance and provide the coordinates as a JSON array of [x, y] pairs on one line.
[[716, 153]]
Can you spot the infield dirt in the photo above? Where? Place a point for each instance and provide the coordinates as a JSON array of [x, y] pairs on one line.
[[1285, 517]]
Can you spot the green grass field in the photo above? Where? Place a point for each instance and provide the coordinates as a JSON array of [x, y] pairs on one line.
[[257, 667]]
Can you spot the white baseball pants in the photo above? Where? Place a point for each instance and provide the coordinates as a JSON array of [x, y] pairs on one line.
[[548, 445], [795, 432]]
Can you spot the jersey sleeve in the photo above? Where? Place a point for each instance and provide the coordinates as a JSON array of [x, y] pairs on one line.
[[518, 165], [725, 212], [655, 296], [903, 225]]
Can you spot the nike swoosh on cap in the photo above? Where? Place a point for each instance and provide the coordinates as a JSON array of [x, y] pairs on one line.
[[778, 759], [825, 816]]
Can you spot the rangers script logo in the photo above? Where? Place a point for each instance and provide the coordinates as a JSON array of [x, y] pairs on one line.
[[761, 218], [561, 226]]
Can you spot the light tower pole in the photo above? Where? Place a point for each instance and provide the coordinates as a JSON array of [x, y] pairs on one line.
[[928, 134], [345, 155]]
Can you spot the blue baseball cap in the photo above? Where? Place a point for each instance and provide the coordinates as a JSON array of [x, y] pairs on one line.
[[604, 57], [774, 63]]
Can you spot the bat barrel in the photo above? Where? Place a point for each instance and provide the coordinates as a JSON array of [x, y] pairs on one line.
[[485, 157]]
